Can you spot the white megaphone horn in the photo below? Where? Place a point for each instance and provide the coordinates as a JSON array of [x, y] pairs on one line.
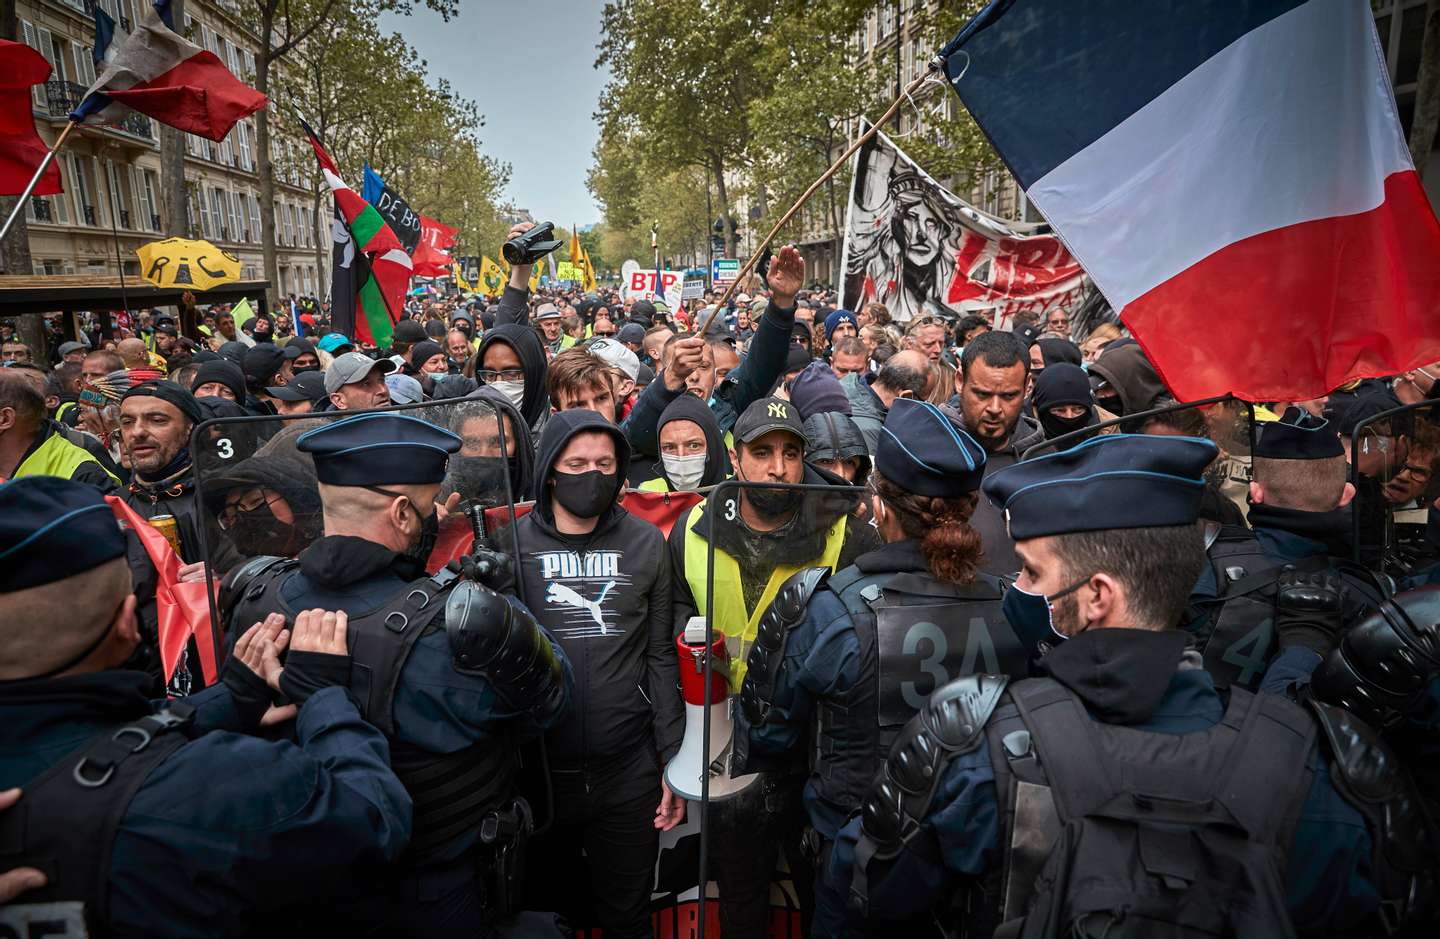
[[684, 773]]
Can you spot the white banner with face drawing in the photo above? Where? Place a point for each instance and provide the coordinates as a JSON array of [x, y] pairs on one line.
[[919, 249]]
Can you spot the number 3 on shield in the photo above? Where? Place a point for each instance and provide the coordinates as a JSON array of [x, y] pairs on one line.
[[224, 448], [729, 510]]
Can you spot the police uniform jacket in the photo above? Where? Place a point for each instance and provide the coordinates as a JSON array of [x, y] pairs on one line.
[[827, 661], [230, 830], [1327, 885]]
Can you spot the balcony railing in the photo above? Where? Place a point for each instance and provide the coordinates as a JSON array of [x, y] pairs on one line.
[[88, 213], [41, 207], [154, 223], [63, 97], [125, 218]]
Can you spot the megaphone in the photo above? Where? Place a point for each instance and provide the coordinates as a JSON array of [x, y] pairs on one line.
[[691, 764]]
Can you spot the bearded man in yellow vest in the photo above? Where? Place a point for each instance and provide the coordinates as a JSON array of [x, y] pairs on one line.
[[760, 538]]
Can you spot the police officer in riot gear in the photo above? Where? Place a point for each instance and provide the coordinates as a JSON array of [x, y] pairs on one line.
[[1300, 505], [451, 672], [1120, 793], [857, 653], [170, 821]]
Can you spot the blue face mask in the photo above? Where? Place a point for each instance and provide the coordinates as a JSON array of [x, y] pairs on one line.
[[1031, 616]]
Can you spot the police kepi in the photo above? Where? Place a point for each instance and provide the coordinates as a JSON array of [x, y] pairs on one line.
[[1119, 793]]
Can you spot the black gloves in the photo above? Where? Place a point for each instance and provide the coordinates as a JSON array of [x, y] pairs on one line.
[[248, 690], [1308, 609], [308, 672]]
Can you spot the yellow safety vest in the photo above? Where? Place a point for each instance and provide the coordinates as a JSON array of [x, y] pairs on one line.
[[57, 457], [729, 614], [658, 484]]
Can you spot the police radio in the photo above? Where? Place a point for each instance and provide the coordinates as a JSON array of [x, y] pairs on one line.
[[691, 764]]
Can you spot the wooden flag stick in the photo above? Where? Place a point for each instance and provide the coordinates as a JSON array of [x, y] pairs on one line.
[[749, 266], [35, 180]]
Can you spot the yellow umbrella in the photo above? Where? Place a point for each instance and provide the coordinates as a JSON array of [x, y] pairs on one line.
[[179, 262]]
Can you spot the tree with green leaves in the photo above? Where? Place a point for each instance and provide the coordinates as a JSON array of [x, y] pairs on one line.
[[284, 27]]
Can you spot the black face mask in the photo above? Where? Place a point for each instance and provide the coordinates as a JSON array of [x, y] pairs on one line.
[[585, 495], [257, 532], [308, 368], [429, 533], [1055, 426], [773, 503]]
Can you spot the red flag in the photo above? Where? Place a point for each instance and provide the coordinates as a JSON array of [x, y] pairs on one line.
[[21, 149], [430, 257], [183, 608]]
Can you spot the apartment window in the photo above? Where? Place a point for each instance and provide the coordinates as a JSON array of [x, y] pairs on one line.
[[206, 231], [288, 211], [81, 181], [237, 217], [217, 209], [255, 217], [119, 203], [84, 65], [242, 144], [152, 201]]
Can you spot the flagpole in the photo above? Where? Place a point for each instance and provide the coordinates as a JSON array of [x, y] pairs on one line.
[[749, 266], [35, 180]]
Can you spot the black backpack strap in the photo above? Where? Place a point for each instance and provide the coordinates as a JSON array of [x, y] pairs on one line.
[[1064, 739], [65, 826], [952, 723], [381, 642]]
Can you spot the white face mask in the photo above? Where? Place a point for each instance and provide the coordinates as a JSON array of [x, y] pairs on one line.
[[684, 471], [514, 390]]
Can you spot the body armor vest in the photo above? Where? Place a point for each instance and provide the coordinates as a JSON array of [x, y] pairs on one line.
[[453, 792], [916, 634], [66, 824]]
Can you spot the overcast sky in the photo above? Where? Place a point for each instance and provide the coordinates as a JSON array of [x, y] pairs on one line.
[[531, 70]]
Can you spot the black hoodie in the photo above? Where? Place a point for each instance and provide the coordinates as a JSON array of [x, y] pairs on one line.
[[687, 407], [536, 403], [605, 597], [524, 477]]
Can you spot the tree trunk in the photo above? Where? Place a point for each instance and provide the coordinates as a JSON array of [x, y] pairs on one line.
[[263, 163], [173, 195], [718, 169], [1427, 91]]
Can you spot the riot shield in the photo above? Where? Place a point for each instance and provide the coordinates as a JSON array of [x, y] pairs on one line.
[[1392, 463], [268, 502], [741, 546]]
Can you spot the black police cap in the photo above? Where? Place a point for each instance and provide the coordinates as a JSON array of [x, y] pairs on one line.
[[1116, 481], [379, 450], [51, 529]]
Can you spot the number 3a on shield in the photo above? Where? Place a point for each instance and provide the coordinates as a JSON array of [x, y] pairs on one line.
[[224, 449]]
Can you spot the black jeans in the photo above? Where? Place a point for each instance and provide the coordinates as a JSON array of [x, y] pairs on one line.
[[609, 812]]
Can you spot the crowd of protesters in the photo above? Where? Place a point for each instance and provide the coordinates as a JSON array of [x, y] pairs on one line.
[[337, 793]]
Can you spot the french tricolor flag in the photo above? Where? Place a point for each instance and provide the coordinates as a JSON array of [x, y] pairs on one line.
[[1232, 175], [158, 72]]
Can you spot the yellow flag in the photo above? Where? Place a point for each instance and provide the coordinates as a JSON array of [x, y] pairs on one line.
[[575, 250], [460, 281], [492, 278], [589, 269], [535, 273]]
